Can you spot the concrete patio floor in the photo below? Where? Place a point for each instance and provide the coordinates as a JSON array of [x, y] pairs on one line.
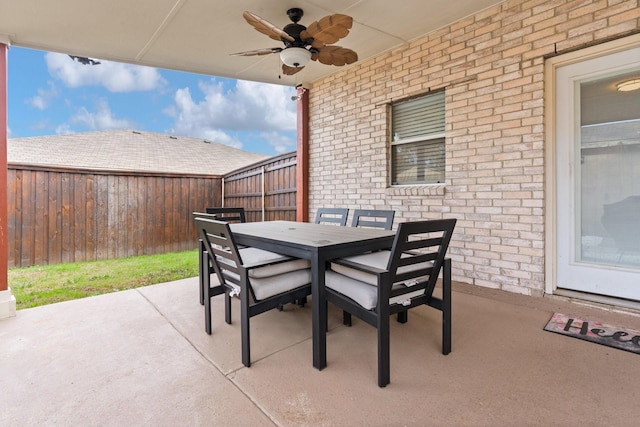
[[141, 357]]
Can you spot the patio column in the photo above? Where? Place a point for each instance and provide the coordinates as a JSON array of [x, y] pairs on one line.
[[302, 168], [7, 300]]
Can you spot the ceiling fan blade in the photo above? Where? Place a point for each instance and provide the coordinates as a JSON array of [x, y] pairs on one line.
[[266, 27], [335, 55], [327, 30], [290, 71], [257, 52]]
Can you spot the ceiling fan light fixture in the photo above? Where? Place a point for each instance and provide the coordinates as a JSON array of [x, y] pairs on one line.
[[295, 56], [629, 85]]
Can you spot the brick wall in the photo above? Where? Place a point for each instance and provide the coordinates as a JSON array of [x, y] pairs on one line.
[[492, 66]]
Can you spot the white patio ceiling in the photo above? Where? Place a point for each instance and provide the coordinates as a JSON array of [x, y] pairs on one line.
[[199, 35]]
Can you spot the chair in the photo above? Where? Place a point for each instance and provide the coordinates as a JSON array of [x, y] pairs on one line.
[[222, 214], [373, 218], [332, 216], [262, 280], [375, 285], [228, 214], [369, 218]]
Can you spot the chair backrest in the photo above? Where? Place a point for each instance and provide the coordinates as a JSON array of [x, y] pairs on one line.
[[373, 218], [336, 216], [419, 242], [218, 242], [228, 214], [196, 215]]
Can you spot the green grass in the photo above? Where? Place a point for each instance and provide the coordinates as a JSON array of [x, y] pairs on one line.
[[41, 285]]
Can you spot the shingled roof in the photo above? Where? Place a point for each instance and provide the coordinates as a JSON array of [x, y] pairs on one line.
[[131, 151]]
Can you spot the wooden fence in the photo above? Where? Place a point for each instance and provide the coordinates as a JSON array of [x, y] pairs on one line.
[[58, 215], [266, 190]]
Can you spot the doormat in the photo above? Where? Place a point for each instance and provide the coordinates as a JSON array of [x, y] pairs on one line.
[[594, 331]]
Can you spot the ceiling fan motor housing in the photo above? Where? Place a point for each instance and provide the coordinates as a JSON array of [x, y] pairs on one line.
[[294, 31], [295, 14]]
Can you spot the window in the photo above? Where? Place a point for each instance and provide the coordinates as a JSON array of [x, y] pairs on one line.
[[417, 148]]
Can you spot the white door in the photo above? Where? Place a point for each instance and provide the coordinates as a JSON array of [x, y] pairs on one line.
[[598, 175]]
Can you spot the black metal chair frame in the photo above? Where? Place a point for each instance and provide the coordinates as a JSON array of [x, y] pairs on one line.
[[332, 216], [220, 214], [201, 258], [363, 218], [228, 214], [410, 239], [220, 247]]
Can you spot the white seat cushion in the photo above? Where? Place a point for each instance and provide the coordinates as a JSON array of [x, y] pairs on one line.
[[363, 293], [374, 259], [362, 287], [252, 256], [273, 285], [379, 260], [269, 286]]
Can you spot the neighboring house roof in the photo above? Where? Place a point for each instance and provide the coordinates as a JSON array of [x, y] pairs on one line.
[[130, 150]]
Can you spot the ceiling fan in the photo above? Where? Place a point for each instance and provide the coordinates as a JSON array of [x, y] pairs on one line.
[[302, 44]]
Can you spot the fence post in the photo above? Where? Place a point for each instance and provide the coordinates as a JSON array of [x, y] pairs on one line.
[[263, 192]]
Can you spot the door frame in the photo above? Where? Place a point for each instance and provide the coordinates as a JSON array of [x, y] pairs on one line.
[[551, 230]]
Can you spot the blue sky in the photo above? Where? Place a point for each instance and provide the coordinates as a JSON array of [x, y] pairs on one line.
[[49, 94]]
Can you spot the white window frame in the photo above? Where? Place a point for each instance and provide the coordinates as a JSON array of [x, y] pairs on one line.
[[396, 140]]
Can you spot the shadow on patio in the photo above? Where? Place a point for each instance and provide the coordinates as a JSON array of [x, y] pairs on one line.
[[141, 357]]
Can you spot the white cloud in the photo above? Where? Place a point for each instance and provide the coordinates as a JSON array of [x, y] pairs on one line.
[[63, 129], [101, 119], [220, 137], [44, 97], [114, 76], [281, 143], [248, 106]]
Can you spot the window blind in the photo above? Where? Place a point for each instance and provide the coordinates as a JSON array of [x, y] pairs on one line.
[[418, 117]]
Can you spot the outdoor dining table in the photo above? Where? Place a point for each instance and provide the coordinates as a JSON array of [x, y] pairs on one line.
[[318, 243]]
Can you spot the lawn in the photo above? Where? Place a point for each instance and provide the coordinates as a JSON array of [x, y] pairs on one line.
[[40, 285]]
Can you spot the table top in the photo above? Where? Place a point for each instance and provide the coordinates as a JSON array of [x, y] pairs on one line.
[[305, 234]]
